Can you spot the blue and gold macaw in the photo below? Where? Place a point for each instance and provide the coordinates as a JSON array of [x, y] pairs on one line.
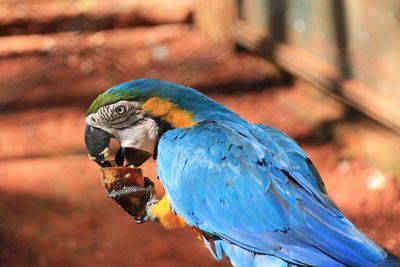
[[250, 191]]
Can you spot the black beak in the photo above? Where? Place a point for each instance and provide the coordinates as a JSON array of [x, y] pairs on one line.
[[135, 157], [97, 142]]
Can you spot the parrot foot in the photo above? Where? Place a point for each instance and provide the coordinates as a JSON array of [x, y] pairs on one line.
[[134, 191], [127, 191], [152, 200], [149, 206], [126, 196]]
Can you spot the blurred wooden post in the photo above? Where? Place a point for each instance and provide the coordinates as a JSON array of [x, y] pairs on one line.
[[215, 19], [301, 63]]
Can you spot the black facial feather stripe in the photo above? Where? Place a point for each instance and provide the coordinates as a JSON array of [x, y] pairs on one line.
[[125, 126], [102, 115], [130, 121], [125, 118]]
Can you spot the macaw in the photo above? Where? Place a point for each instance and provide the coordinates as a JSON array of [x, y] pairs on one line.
[[249, 190]]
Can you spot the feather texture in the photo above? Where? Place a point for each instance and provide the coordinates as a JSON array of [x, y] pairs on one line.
[[253, 189], [250, 190]]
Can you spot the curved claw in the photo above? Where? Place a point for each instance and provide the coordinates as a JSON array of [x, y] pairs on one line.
[[149, 206], [128, 198], [131, 191]]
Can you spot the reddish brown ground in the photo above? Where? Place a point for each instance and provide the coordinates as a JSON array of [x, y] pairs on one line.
[[53, 208]]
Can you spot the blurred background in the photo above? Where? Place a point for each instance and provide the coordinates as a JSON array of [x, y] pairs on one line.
[[324, 72]]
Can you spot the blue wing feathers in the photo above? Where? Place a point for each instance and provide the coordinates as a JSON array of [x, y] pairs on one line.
[[254, 188]]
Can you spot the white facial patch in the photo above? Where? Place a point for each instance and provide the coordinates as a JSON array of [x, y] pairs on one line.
[[142, 136]]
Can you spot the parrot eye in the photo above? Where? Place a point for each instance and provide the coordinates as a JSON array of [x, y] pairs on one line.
[[120, 109]]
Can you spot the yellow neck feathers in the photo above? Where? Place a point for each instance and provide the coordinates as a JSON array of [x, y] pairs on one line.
[[169, 112], [168, 219], [177, 118]]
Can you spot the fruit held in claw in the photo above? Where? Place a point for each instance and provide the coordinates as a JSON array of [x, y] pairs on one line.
[[128, 187]]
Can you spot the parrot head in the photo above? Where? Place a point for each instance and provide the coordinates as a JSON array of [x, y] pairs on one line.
[[125, 120], [136, 114]]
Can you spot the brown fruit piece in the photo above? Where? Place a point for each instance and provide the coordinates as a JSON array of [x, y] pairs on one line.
[[127, 186], [115, 178]]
